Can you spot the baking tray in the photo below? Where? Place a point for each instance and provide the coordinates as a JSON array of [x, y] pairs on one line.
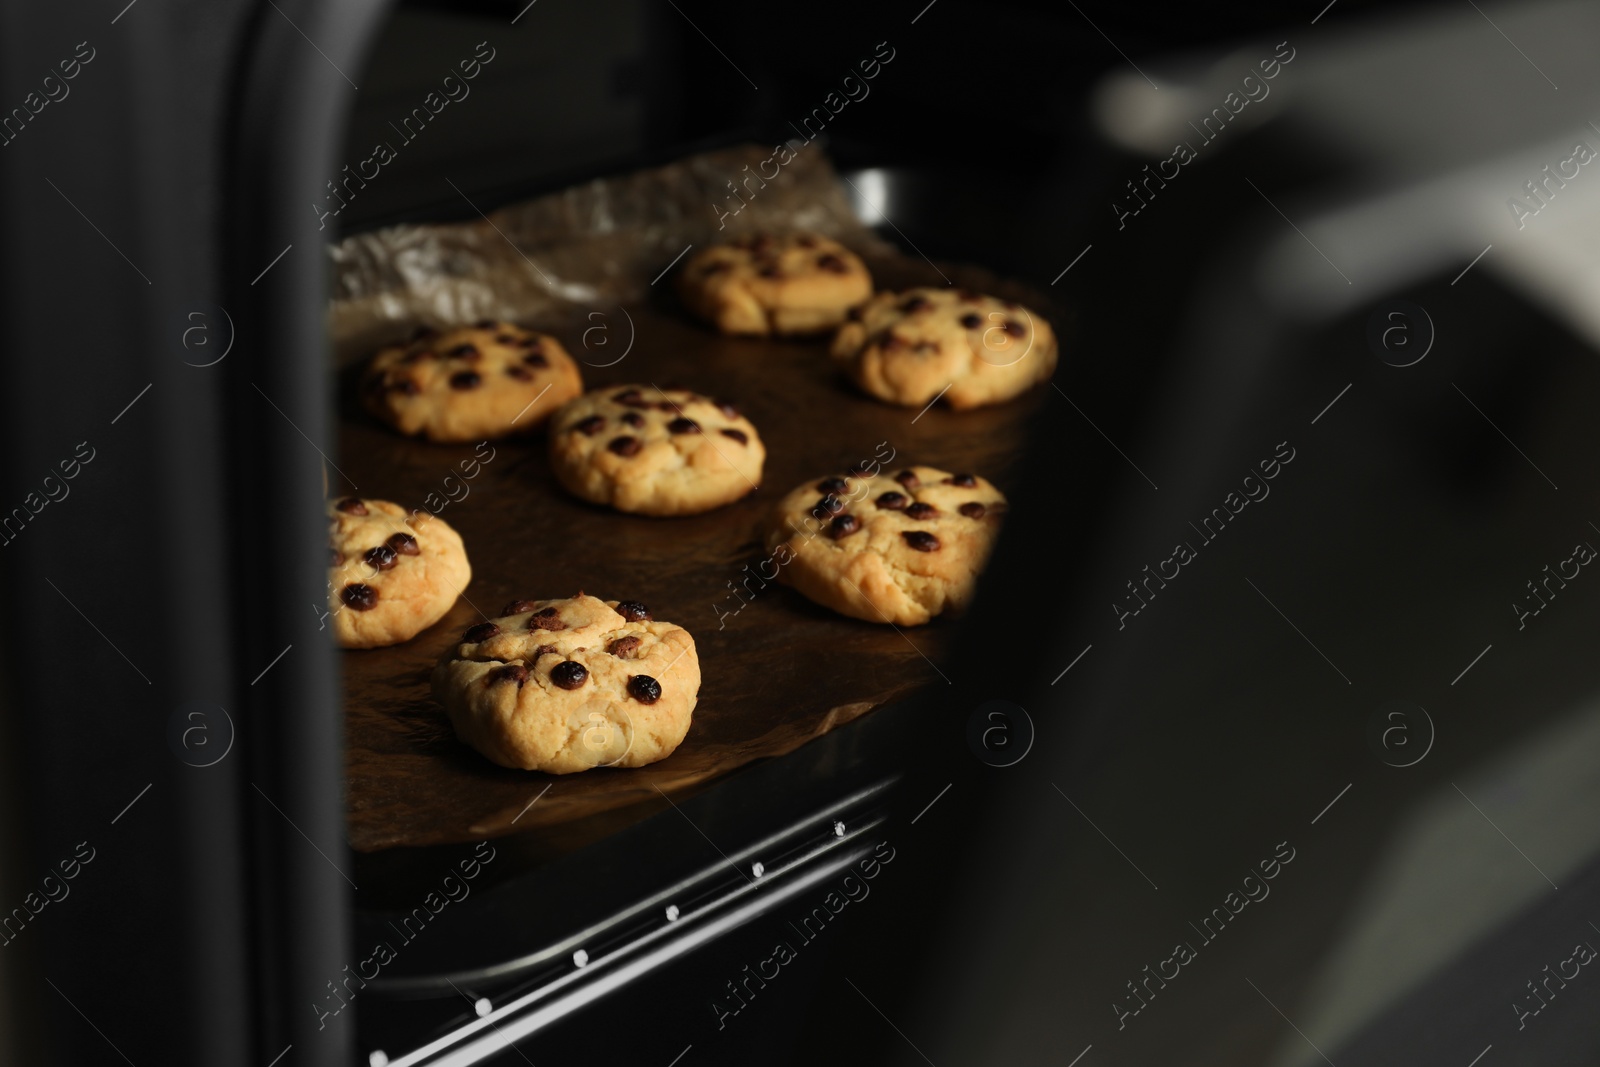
[[777, 669]]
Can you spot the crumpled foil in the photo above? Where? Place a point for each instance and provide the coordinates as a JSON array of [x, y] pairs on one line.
[[596, 245]]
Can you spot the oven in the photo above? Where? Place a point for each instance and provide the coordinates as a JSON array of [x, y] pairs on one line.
[[1239, 694]]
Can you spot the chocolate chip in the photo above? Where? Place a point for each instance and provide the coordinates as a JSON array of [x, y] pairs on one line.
[[625, 445], [832, 485], [854, 314], [381, 558], [351, 506], [481, 632], [894, 342], [682, 425], [644, 689], [972, 509], [511, 672], [727, 408], [521, 374], [542, 650], [843, 526], [517, 607], [921, 540], [569, 674], [716, 267], [828, 504], [737, 435], [633, 611], [916, 303], [624, 647], [358, 596], [830, 262], [972, 320], [463, 352], [908, 479], [921, 511], [965, 481], [535, 359], [546, 619], [805, 240], [505, 339], [769, 270], [1014, 328], [466, 379], [627, 396], [527, 342], [404, 544], [891, 501], [861, 470], [633, 418], [406, 387], [590, 426]]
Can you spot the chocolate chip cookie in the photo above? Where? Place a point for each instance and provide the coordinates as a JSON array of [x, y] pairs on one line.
[[898, 547], [566, 685], [794, 284], [655, 451], [472, 383], [909, 348], [391, 575]]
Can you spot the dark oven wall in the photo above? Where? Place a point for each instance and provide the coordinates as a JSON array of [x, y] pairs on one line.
[[161, 910], [573, 90]]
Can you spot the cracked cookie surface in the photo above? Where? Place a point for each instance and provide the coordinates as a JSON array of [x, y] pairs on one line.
[[892, 547], [790, 284], [655, 451], [567, 685], [970, 350], [391, 574], [470, 383]]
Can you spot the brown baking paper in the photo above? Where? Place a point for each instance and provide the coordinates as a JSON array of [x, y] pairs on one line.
[[777, 670]]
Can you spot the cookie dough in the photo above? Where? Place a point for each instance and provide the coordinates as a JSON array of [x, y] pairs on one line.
[[567, 685], [655, 451], [473, 383], [794, 284], [391, 574], [909, 347], [897, 547]]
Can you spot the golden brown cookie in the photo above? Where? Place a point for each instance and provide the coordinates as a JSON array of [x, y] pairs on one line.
[[898, 548], [794, 284], [908, 348], [566, 685], [471, 383], [391, 574], [655, 451]]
